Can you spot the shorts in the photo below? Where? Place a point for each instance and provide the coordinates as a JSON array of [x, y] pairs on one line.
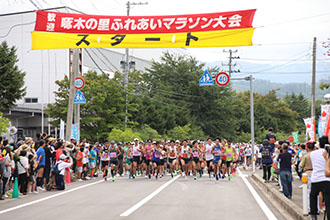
[[228, 163], [186, 160], [161, 162], [195, 159], [79, 169], [208, 162], [104, 163], [170, 160], [156, 162], [31, 178], [147, 162], [137, 159], [115, 162], [216, 160], [143, 160], [40, 166], [128, 161], [92, 165]]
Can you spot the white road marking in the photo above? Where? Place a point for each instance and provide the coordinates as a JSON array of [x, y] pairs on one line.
[[146, 199], [48, 197], [256, 196]]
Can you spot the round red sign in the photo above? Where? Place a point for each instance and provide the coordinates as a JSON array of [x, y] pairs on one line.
[[291, 139], [222, 79], [79, 83]]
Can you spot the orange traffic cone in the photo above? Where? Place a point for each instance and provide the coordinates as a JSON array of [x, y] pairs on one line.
[[68, 177]]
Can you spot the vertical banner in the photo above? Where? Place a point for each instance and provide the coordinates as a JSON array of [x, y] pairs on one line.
[[75, 132], [310, 128], [62, 130], [324, 121], [295, 135]]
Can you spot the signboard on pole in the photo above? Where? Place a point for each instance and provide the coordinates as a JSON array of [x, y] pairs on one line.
[[290, 139], [75, 132], [295, 135], [206, 79], [79, 98], [222, 79], [79, 83]]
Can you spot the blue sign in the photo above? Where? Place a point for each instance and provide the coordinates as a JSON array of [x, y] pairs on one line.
[[79, 98], [206, 79], [75, 132]]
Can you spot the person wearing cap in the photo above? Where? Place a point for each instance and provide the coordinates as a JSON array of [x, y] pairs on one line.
[[61, 164], [136, 157], [114, 153], [266, 159], [105, 157], [41, 162]]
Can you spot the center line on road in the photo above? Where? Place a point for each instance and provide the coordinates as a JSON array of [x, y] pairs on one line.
[[256, 196], [146, 199], [48, 197]]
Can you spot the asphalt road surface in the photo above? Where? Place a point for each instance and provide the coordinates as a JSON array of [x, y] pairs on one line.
[[161, 199]]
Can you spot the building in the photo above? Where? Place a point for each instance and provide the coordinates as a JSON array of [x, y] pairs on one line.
[[44, 67]]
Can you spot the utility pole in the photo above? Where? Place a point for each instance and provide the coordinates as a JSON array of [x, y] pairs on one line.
[[313, 79], [76, 71], [127, 64], [73, 67], [230, 64], [252, 124]]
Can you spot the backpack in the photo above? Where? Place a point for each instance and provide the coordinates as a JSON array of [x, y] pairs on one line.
[[56, 170]]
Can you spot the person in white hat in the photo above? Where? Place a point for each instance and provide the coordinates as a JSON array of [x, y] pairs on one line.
[[61, 165]]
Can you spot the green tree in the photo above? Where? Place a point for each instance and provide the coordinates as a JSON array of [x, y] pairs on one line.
[[11, 78], [4, 124], [103, 111], [146, 132], [123, 135]]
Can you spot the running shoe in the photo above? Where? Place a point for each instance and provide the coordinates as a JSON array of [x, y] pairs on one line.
[[229, 177], [105, 179], [113, 179], [133, 176], [156, 177], [172, 175], [217, 177], [149, 176], [146, 177], [195, 177]]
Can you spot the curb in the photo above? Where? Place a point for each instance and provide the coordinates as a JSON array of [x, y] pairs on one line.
[[276, 197]]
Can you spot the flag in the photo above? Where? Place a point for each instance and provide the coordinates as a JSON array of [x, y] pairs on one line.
[[295, 135], [55, 30], [310, 128], [323, 128]]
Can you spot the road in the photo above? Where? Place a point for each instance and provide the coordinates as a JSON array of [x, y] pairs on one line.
[[160, 199]]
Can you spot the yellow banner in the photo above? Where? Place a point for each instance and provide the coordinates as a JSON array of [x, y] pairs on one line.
[[222, 38]]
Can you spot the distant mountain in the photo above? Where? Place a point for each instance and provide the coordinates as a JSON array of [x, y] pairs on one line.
[[279, 72], [264, 86]]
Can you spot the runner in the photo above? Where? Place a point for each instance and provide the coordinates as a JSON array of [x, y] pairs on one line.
[[156, 153], [148, 157], [136, 157], [229, 151], [195, 159], [104, 155], [209, 156], [128, 160], [185, 157], [91, 157], [223, 158], [114, 153], [216, 150], [172, 152], [201, 158]]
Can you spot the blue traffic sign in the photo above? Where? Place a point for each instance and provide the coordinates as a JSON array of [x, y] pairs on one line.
[[79, 98], [206, 79]]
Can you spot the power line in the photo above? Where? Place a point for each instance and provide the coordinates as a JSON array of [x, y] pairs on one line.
[[16, 25]]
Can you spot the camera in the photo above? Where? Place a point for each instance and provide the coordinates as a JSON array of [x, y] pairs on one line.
[[327, 148]]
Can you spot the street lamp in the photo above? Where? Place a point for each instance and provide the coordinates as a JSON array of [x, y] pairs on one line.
[[250, 78]]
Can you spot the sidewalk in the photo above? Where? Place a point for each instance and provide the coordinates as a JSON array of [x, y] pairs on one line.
[[292, 206]]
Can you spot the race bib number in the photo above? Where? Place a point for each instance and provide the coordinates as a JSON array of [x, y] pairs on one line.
[[195, 154], [113, 154], [185, 155], [172, 154], [217, 153]]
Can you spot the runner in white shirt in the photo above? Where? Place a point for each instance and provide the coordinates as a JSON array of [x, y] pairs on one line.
[[209, 156]]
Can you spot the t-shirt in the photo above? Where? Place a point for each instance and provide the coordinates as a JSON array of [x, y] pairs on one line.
[[7, 170], [271, 138], [285, 161], [208, 154], [291, 151], [22, 164], [62, 165], [306, 162], [319, 163], [59, 152], [41, 153], [93, 154], [80, 161], [266, 154]]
